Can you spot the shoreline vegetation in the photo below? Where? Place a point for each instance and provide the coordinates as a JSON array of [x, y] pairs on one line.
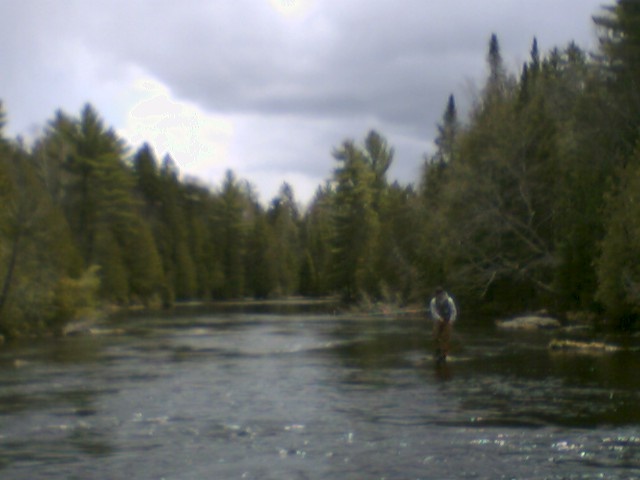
[[531, 202]]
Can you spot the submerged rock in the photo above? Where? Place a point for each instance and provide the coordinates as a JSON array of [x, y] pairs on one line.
[[105, 331], [19, 363], [76, 328], [585, 347], [530, 322], [89, 328]]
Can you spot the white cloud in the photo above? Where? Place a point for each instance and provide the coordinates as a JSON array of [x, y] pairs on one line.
[[292, 9], [197, 141]]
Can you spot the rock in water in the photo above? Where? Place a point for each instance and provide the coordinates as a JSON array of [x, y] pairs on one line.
[[530, 322], [586, 347]]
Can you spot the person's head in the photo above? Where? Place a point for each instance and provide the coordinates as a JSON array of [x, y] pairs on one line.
[[440, 293]]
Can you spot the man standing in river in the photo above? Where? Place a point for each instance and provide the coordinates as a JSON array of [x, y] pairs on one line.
[[443, 313]]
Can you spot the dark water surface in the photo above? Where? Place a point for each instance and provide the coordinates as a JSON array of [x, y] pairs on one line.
[[241, 395]]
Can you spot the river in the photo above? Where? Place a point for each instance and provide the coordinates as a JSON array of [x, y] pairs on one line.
[[288, 393]]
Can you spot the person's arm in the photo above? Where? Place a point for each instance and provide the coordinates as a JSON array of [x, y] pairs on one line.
[[434, 311], [454, 311]]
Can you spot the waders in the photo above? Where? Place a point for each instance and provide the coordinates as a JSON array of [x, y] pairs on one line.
[[441, 336]]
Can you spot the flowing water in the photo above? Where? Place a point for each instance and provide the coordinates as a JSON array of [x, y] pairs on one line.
[[293, 394]]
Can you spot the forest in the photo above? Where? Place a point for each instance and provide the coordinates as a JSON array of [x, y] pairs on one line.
[[531, 202]]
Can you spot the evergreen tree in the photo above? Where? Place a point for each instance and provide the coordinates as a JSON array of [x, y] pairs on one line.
[[534, 64], [619, 33], [447, 134], [285, 225], [99, 188], [201, 210], [114, 285], [82, 163], [261, 259], [317, 235], [355, 222], [147, 175], [36, 252], [379, 157], [434, 177], [497, 83], [399, 244], [618, 268], [178, 263], [574, 97], [232, 232], [434, 167], [143, 263]]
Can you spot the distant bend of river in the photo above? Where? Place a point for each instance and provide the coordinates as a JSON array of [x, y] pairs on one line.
[[303, 394]]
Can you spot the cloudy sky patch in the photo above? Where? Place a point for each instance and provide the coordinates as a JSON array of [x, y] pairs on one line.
[[267, 88]]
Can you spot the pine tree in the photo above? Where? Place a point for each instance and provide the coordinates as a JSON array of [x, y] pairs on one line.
[[356, 224], [82, 163], [285, 224], [619, 28], [399, 244], [261, 276], [143, 263], [617, 266], [36, 250], [99, 187], [317, 235], [232, 232], [379, 157], [173, 238], [534, 64], [447, 133], [435, 167], [147, 175], [497, 82]]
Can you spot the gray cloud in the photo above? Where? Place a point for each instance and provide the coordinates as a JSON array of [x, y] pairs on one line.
[[305, 82]]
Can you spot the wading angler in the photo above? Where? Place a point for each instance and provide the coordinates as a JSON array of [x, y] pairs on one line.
[[443, 313]]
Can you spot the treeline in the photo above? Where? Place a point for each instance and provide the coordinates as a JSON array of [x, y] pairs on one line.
[[532, 202]]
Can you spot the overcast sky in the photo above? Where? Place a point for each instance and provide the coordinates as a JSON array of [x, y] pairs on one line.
[[267, 88]]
